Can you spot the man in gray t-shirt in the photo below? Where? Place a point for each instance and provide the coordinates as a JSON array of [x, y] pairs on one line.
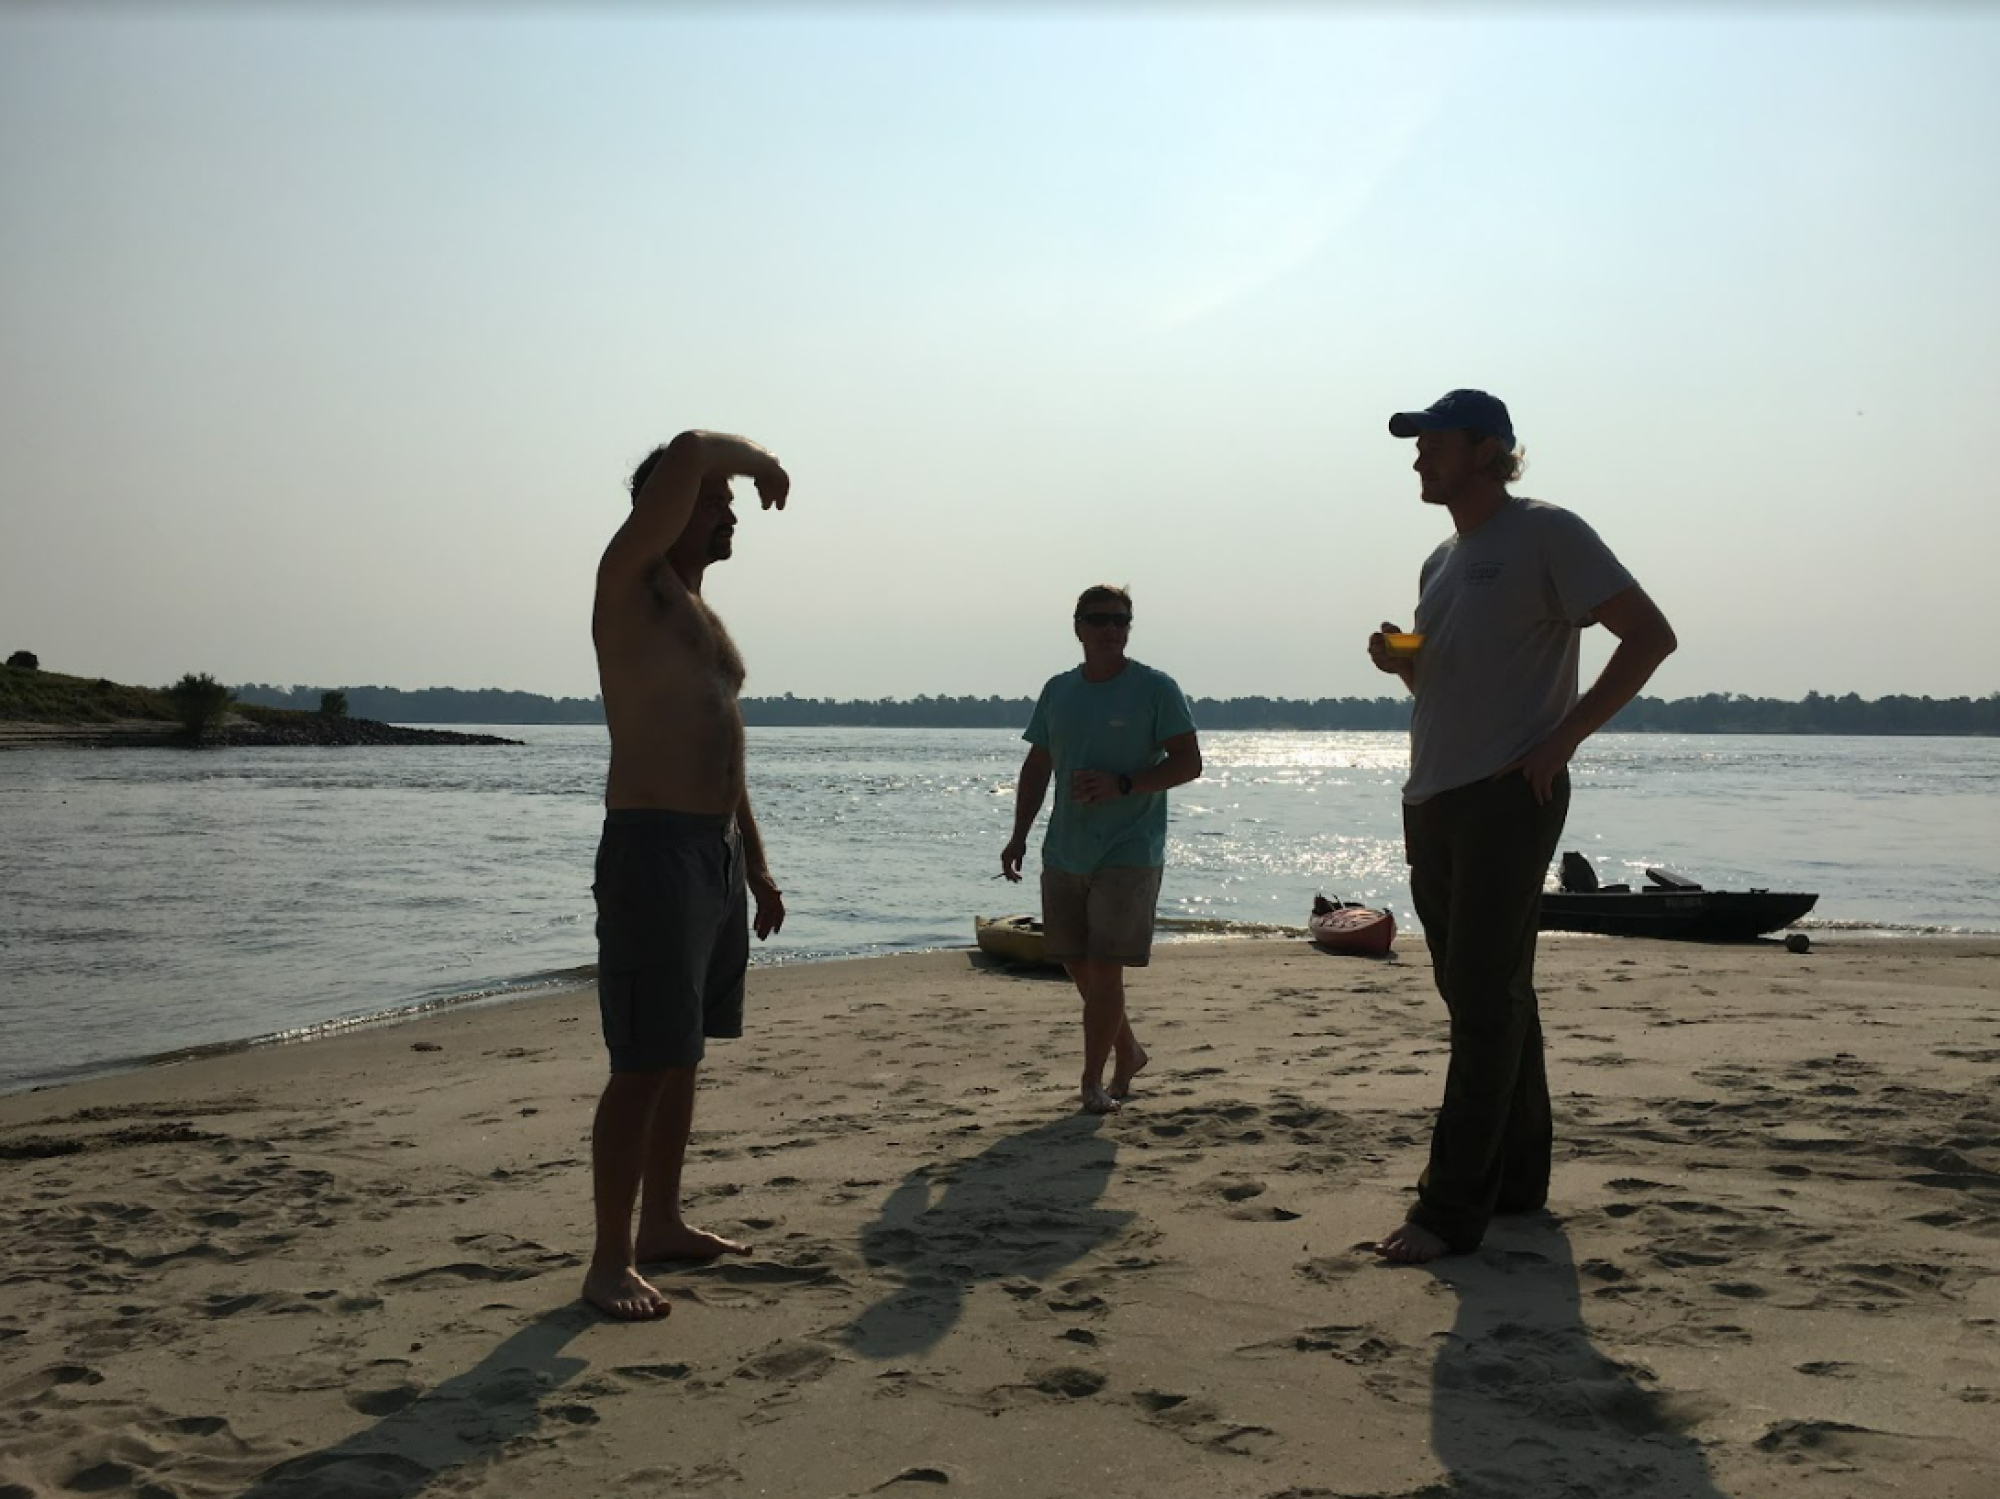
[[1492, 662]]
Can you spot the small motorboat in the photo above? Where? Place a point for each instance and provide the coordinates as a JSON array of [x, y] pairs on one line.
[[1349, 926], [1670, 906], [1012, 939]]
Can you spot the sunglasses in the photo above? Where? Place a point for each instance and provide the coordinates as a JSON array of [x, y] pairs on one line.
[[1101, 617]]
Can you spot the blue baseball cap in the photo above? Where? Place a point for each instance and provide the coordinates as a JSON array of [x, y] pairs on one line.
[[1458, 411]]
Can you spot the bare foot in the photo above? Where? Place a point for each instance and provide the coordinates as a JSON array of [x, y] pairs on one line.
[[1127, 1069], [624, 1294], [1097, 1101], [681, 1242], [1412, 1245]]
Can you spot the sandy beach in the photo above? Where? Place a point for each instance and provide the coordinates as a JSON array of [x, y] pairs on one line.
[[349, 1267]]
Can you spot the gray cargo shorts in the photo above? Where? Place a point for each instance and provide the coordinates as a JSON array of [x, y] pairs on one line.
[[1105, 916], [673, 936]]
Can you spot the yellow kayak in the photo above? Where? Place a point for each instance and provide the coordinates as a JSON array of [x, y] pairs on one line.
[[1011, 939]]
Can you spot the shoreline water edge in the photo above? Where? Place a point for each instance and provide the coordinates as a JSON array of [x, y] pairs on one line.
[[150, 904], [582, 978]]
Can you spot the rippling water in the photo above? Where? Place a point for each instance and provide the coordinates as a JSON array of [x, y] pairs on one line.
[[152, 900]]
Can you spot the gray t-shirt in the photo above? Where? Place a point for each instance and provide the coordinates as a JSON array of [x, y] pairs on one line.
[[1501, 612]]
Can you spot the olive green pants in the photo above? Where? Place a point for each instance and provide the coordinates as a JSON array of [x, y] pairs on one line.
[[1478, 856]]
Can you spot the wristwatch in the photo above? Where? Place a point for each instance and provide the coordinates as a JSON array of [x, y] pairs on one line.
[[1124, 785]]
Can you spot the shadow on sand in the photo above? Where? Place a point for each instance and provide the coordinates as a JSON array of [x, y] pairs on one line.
[[1523, 1404], [1003, 968], [468, 1420], [1020, 1210]]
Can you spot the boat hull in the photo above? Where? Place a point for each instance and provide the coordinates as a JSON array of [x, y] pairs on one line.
[[1353, 929], [1697, 915], [1012, 939]]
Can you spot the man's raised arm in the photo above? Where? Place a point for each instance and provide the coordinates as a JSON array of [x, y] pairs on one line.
[[667, 494]]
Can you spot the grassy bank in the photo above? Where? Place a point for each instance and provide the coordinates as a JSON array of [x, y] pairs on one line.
[[50, 710], [53, 698]]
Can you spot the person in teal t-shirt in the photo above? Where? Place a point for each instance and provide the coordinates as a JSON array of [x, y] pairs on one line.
[[1114, 735]]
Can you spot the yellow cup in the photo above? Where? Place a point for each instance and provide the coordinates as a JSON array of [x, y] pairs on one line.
[[1401, 645]]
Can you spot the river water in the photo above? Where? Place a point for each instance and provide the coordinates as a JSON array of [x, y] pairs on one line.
[[153, 900]]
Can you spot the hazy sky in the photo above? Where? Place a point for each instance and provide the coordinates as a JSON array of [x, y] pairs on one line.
[[328, 337]]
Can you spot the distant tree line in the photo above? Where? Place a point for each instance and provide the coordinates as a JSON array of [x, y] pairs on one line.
[[1728, 713], [889, 713], [1013, 712], [426, 704], [1713, 713]]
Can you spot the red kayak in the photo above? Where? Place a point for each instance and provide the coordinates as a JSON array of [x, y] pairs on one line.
[[1349, 926]]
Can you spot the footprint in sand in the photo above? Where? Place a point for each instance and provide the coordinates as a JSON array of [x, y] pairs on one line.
[[1832, 1442], [1328, 1269], [1199, 1422], [1610, 1278], [706, 1478], [804, 1269], [58, 1376], [650, 1374], [271, 1303], [788, 1363], [501, 1257], [1358, 1345], [387, 1400], [1239, 1191], [1740, 1290], [1235, 1189], [1067, 1381], [923, 1477]]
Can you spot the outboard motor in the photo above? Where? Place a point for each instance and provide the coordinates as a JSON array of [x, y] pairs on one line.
[[1578, 878]]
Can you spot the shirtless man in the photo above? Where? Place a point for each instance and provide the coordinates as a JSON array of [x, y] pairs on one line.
[[678, 850]]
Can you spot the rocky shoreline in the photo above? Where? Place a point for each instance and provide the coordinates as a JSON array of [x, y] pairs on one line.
[[235, 733]]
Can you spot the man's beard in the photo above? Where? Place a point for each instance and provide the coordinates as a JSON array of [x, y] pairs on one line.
[[722, 543]]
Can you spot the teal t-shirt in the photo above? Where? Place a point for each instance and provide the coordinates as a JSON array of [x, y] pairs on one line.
[[1119, 726]]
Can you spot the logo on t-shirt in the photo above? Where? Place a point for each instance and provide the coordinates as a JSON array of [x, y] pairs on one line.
[[1482, 573]]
